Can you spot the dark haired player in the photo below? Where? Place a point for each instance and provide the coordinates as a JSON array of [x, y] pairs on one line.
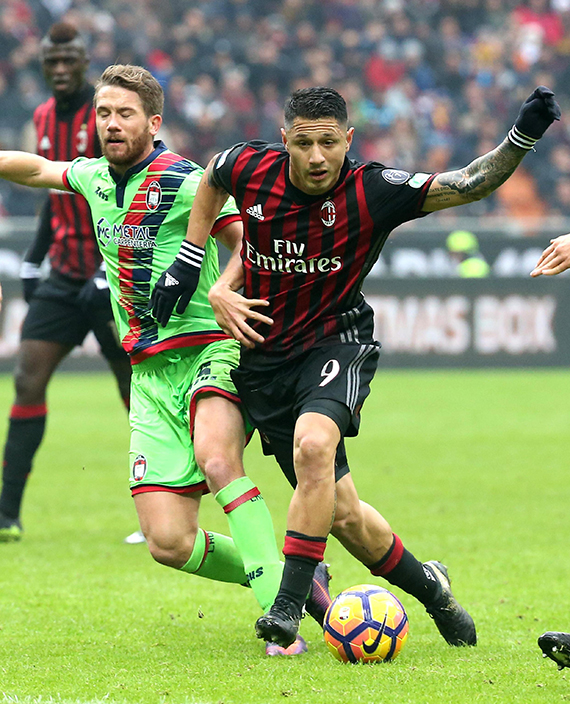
[[314, 225], [187, 427], [75, 297]]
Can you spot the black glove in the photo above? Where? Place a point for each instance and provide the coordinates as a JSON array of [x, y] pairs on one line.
[[30, 277], [178, 283], [536, 115], [95, 293]]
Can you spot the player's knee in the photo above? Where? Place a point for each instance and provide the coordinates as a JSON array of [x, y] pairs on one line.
[[170, 550], [314, 449], [30, 389], [220, 470]]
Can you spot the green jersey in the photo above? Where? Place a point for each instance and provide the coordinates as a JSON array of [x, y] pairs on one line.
[[140, 221]]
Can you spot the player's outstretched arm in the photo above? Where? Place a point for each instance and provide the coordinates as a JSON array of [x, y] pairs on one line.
[[555, 259], [32, 170], [486, 173], [232, 310], [176, 285]]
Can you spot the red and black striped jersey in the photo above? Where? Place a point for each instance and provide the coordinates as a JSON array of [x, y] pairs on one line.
[[308, 255], [64, 132]]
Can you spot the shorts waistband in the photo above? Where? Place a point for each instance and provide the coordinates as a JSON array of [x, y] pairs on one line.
[[161, 359]]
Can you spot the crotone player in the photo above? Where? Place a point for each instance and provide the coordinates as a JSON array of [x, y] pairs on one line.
[[314, 225], [75, 298]]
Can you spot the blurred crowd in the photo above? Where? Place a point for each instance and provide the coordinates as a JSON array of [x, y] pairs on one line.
[[430, 84]]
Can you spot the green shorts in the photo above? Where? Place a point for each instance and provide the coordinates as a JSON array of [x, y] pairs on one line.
[[164, 390]]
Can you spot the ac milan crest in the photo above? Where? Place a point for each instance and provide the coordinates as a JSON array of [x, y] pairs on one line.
[[153, 195], [82, 139], [328, 213]]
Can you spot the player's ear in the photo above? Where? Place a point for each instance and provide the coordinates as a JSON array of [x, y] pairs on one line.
[[349, 135], [284, 138], [155, 123]]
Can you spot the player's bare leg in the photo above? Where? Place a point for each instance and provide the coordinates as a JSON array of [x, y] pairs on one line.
[[169, 522], [308, 524], [368, 536], [358, 526], [312, 507], [37, 360], [219, 439]]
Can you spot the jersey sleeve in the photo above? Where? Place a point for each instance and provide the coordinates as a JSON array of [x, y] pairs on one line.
[[224, 165], [229, 213], [77, 177], [394, 196]]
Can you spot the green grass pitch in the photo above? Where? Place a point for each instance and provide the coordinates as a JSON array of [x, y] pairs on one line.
[[470, 468]]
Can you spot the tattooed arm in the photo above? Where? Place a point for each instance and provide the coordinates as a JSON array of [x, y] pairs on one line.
[[489, 171], [475, 181]]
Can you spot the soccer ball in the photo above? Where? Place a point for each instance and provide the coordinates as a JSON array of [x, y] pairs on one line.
[[365, 624]]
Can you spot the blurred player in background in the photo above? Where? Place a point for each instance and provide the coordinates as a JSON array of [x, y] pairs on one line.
[[463, 247], [314, 225], [75, 297], [554, 260], [187, 429]]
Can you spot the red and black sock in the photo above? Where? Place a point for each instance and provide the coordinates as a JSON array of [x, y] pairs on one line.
[[302, 554], [401, 568], [25, 432]]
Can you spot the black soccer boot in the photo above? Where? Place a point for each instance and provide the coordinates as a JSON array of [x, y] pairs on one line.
[[10, 529], [319, 598], [280, 624], [556, 646], [451, 619]]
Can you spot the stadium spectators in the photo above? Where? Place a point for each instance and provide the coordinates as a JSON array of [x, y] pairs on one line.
[[434, 80]]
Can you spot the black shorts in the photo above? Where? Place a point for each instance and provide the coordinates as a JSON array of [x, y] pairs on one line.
[[333, 380], [59, 313]]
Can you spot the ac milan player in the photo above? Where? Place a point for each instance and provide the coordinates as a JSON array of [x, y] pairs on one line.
[[75, 297], [314, 224]]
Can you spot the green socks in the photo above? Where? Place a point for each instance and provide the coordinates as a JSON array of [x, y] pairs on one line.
[[215, 557], [251, 528]]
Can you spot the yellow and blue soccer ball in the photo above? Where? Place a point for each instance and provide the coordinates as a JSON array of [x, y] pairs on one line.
[[365, 624]]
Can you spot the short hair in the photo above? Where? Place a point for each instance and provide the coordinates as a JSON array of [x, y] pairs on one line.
[[137, 79], [63, 33], [315, 103]]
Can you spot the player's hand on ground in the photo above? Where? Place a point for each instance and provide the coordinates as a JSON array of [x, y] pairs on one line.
[[555, 258], [177, 285], [232, 311]]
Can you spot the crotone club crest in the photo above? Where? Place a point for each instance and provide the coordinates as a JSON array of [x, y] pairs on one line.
[[139, 468], [328, 213], [153, 195]]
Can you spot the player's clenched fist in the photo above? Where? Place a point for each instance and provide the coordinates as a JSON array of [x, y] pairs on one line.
[[536, 115], [555, 258]]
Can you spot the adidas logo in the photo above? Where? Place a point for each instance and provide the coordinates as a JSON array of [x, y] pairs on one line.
[[170, 280], [256, 211]]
